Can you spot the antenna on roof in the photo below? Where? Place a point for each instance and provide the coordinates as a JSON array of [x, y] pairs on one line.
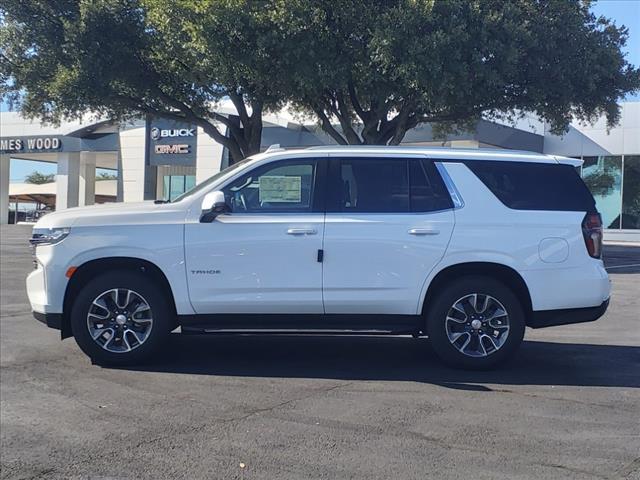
[[273, 148]]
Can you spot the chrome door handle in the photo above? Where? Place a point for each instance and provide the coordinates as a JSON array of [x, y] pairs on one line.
[[423, 231], [302, 231]]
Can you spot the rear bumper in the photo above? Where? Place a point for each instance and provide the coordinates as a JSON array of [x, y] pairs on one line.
[[571, 287], [51, 320], [551, 318]]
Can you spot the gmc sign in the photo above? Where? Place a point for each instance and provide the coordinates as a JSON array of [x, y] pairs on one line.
[[164, 149]]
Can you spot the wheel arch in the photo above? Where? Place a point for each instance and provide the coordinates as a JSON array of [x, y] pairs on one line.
[[91, 268], [507, 275]]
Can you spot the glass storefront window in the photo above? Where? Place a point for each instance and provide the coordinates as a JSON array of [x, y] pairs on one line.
[[631, 192], [176, 185], [189, 182], [603, 176]]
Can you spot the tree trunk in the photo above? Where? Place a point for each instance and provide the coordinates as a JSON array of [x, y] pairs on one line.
[[359, 126]]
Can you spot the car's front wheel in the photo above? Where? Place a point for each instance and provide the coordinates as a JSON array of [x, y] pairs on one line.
[[120, 318], [475, 322]]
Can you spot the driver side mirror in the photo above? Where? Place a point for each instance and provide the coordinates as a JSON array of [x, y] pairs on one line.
[[213, 205]]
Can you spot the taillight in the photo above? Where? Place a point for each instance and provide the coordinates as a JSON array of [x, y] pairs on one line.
[[592, 232]]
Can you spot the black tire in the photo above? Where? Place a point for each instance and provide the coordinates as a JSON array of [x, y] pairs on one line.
[[440, 307], [161, 313]]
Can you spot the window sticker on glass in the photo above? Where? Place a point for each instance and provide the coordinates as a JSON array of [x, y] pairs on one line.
[[278, 188]]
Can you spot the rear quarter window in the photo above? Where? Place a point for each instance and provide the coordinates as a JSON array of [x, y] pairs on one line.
[[535, 186]]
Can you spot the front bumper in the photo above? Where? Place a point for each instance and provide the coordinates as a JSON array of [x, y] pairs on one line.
[[551, 318]]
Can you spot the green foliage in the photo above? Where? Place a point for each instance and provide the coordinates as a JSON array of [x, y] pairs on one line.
[[39, 178], [121, 58], [105, 176], [376, 68], [389, 66], [600, 182]]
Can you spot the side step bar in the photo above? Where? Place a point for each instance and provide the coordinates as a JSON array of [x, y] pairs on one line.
[[279, 324], [291, 331]]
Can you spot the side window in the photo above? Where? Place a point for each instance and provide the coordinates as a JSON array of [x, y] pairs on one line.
[[373, 185], [281, 187], [535, 186], [428, 191]]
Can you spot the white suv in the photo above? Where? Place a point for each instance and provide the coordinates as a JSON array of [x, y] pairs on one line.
[[466, 247]]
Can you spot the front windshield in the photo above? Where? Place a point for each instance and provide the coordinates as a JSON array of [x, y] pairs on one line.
[[214, 179]]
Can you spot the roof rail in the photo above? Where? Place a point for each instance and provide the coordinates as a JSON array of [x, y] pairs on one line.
[[274, 148]]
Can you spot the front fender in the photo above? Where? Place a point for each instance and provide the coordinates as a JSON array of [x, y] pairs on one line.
[[161, 245]]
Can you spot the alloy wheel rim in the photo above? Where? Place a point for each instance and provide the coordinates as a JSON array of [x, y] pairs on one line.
[[119, 320], [477, 325]]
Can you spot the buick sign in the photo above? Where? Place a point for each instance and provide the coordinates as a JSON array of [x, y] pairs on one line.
[[157, 134], [171, 142]]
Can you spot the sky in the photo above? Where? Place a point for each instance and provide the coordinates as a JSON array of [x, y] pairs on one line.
[[622, 12], [627, 13]]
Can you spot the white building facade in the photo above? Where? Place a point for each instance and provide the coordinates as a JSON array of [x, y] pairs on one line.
[[160, 158]]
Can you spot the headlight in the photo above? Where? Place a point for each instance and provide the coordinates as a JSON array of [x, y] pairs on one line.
[[48, 236]]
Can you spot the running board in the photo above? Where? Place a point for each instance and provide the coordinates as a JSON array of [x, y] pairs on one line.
[[291, 331], [330, 324]]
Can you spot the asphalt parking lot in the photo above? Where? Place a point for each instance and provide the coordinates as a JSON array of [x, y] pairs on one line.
[[321, 407]]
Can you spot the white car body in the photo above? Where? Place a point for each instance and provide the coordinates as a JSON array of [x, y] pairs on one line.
[[374, 263]]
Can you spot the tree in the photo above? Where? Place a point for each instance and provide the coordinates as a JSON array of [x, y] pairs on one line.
[[105, 176], [382, 69], [39, 178], [124, 58], [369, 70], [601, 182]]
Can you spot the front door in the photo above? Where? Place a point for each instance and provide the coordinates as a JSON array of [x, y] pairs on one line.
[[263, 256], [388, 223]]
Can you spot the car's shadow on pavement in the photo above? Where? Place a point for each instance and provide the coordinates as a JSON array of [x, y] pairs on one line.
[[392, 359]]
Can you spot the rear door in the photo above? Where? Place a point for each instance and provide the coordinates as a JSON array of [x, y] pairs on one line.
[[388, 223]]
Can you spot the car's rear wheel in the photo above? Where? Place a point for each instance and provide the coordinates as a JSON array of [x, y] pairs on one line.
[[120, 318], [475, 322]]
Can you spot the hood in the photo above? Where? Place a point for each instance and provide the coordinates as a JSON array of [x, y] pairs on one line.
[[139, 213]]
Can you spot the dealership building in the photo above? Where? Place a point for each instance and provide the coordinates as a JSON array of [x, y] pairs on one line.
[[157, 158]]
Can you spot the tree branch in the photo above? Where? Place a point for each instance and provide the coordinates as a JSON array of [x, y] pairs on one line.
[[209, 128], [400, 129], [327, 127], [341, 111], [238, 102], [356, 102], [235, 142]]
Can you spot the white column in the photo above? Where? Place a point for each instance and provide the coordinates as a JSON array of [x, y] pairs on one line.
[[67, 180], [133, 143], [87, 188], [208, 156], [4, 189]]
